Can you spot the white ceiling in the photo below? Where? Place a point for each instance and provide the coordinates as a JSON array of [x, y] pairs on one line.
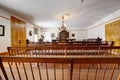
[[46, 12]]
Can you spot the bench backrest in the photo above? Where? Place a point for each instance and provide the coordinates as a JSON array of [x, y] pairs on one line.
[[57, 68]]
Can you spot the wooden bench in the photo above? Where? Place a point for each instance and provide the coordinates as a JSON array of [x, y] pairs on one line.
[[64, 50], [57, 68]]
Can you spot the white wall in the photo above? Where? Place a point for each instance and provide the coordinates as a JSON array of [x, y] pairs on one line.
[[97, 32], [98, 29], [47, 34], [79, 34], [6, 39], [39, 32], [28, 29]]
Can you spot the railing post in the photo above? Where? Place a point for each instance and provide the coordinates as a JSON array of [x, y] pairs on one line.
[[71, 68], [65, 50], [3, 70]]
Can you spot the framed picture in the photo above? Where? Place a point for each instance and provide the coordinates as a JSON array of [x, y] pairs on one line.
[[2, 30], [52, 35], [73, 35], [30, 33]]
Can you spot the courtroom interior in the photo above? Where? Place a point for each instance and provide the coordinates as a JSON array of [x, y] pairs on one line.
[[60, 40]]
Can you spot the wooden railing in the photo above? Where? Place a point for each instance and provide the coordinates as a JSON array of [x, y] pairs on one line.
[[60, 50], [57, 68]]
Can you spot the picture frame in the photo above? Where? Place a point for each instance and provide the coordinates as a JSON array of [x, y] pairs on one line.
[[73, 35], [30, 33], [52, 35], [2, 30]]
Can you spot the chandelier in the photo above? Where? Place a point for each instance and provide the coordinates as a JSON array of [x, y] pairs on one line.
[[63, 26]]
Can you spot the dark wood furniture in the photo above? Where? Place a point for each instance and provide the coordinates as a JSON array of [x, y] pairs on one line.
[[65, 50], [63, 36]]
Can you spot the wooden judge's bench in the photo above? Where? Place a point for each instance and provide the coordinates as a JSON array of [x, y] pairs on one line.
[[63, 36]]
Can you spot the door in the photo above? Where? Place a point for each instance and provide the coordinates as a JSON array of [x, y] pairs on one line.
[[18, 32]]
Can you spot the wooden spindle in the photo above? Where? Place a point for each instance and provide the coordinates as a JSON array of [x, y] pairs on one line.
[[25, 71], [32, 71], [88, 72], [18, 70], [39, 71], [46, 71]]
